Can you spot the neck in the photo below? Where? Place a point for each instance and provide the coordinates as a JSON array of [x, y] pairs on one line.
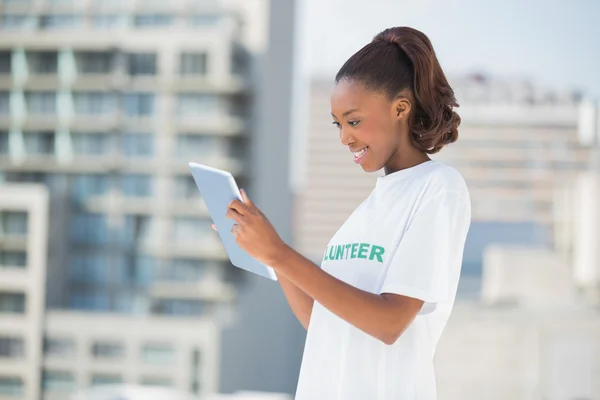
[[402, 160]]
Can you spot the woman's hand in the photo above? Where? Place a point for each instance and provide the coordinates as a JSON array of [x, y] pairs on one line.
[[253, 232]]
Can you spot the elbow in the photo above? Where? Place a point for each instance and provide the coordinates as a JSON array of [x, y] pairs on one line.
[[390, 336]]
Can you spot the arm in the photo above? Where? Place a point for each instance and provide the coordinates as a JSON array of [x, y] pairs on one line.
[[300, 303], [384, 317]]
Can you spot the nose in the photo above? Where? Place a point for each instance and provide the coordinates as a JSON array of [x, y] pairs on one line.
[[345, 137]]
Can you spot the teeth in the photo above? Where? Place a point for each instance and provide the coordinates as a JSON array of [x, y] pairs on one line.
[[360, 152]]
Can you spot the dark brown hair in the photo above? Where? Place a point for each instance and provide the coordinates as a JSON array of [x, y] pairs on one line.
[[403, 58]]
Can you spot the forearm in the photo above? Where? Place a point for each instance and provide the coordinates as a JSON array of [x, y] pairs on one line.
[[369, 312], [300, 303]]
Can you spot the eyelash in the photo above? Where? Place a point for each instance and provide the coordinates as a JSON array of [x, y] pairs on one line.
[[351, 123]]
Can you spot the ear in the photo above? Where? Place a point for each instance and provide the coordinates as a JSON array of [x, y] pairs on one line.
[[401, 107]]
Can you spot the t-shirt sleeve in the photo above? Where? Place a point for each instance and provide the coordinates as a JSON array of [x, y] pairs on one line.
[[426, 262]]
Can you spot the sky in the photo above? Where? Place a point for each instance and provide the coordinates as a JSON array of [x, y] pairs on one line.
[[555, 44]]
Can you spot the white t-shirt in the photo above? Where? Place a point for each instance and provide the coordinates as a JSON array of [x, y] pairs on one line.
[[406, 238]]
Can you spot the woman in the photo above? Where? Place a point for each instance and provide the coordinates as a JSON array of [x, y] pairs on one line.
[[376, 307]]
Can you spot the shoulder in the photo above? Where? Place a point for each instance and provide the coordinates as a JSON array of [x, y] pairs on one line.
[[442, 179]]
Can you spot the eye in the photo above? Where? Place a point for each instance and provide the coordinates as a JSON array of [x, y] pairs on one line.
[[353, 123], [336, 123]]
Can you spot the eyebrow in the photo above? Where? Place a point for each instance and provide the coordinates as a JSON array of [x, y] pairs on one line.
[[346, 112]]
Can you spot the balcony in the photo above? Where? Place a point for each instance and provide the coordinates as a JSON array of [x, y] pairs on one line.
[[225, 125], [207, 290], [204, 84]]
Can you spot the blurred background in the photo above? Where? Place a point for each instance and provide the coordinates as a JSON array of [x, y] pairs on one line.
[[112, 284]]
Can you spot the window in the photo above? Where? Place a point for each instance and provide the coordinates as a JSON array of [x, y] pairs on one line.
[[90, 267], [187, 230], [13, 223], [138, 270], [87, 300], [15, 22], [107, 21], [98, 380], [141, 64], [101, 349], [205, 20], [86, 185], [158, 354], [94, 103], [156, 381], [5, 62], [12, 347], [59, 347], [39, 143], [179, 307], [239, 62], [56, 22], [185, 188], [193, 63], [4, 105], [195, 372], [148, 20], [43, 62], [132, 303], [137, 144], [198, 104], [55, 381], [89, 228], [98, 62], [137, 230], [200, 146], [90, 143], [43, 103], [139, 104], [11, 386], [3, 143], [186, 270], [136, 185], [13, 259], [13, 303]]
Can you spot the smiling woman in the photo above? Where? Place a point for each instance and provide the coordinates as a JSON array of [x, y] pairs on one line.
[[377, 305]]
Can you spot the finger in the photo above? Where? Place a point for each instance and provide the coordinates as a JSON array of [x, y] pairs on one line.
[[234, 215], [214, 228], [245, 197], [239, 207]]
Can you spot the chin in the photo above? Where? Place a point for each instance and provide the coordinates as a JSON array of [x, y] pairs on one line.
[[370, 168]]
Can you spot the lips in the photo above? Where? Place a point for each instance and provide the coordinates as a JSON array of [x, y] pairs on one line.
[[360, 154]]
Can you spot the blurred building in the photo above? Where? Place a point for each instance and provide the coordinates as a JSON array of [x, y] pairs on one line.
[[103, 104]]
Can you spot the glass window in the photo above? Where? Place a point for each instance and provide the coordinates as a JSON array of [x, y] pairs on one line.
[[56, 22], [12, 302], [141, 64], [87, 300], [107, 21], [57, 381], [5, 62], [139, 104], [188, 230], [11, 386], [186, 270], [193, 64], [198, 104], [98, 380], [89, 228], [138, 229], [94, 103], [15, 22], [4, 105], [12, 347], [136, 185], [200, 146], [179, 307], [14, 223], [86, 185], [89, 267], [132, 303], [202, 20], [59, 347], [101, 349], [147, 20], [158, 354], [137, 144], [185, 188], [13, 259], [138, 270], [43, 62], [90, 143], [41, 102], [94, 62], [39, 143]]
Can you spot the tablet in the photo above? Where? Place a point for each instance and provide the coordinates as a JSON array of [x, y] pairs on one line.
[[218, 189]]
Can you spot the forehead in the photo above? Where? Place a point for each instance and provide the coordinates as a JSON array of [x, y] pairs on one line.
[[349, 95]]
